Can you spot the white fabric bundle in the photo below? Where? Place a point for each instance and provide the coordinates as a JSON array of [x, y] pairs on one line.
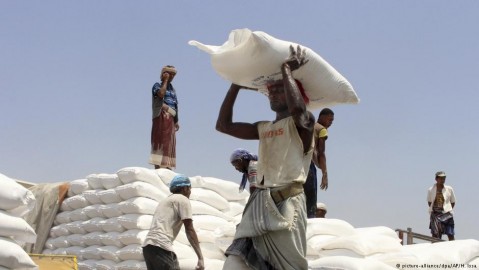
[[210, 197], [60, 251], [92, 196], [206, 236], [225, 230], [252, 59], [344, 262], [397, 258], [131, 252], [317, 242], [87, 265], [201, 208], [76, 240], [166, 176], [59, 230], [78, 215], [211, 251], [110, 210], [363, 244], [138, 205], [93, 211], [151, 176], [140, 189], [62, 218], [75, 202], [131, 237], [109, 181], [224, 242], [74, 250], [16, 227], [92, 239], [111, 239], [210, 264], [95, 180], [474, 262], [112, 225], [105, 265], [93, 225], [135, 221], [77, 187], [227, 189], [383, 230], [58, 242], [91, 253], [109, 196], [109, 253], [183, 251], [75, 227], [14, 198], [131, 265], [235, 208], [329, 226], [449, 252], [12, 256]]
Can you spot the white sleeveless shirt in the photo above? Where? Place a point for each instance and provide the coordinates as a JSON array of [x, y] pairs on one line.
[[281, 157]]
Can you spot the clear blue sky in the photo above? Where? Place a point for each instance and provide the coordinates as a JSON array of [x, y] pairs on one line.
[[76, 76]]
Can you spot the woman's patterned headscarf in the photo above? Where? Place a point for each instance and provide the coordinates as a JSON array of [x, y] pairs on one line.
[[244, 155]]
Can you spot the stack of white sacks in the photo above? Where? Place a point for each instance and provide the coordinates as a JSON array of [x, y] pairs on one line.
[[336, 244], [15, 202], [106, 217]]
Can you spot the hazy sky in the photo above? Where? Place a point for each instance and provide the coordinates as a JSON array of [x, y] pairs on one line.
[[76, 78]]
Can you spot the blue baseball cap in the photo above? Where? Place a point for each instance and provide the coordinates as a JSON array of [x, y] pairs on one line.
[[180, 181]]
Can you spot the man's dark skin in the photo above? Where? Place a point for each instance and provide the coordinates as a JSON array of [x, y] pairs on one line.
[[319, 156], [285, 99]]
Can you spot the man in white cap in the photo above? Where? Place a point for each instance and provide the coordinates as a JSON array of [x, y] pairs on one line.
[[170, 215], [441, 201], [321, 210]]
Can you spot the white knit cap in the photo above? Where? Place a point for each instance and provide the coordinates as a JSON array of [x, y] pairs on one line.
[[321, 206]]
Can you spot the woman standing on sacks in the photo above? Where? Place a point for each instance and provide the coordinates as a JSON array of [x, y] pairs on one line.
[[165, 121]]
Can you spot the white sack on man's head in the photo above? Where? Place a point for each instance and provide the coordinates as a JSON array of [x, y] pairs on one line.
[[251, 59]]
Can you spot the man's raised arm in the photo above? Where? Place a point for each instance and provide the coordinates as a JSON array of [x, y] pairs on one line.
[[225, 122]]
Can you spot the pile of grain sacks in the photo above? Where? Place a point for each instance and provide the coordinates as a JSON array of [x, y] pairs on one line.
[[336, 244], [15, 202], [105, 218]]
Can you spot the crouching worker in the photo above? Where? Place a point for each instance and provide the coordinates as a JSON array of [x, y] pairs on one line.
[[272, 231], [170, 215]]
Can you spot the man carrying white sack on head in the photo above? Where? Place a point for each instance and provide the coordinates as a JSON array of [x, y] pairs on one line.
[[272, 232]]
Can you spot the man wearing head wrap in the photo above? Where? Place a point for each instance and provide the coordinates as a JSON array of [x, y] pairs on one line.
[[321, 210], [170, 214], [272, 231], [165, 121], [246, 163]]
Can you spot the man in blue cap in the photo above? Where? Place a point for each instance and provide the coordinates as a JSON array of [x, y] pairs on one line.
[[170, 215]]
